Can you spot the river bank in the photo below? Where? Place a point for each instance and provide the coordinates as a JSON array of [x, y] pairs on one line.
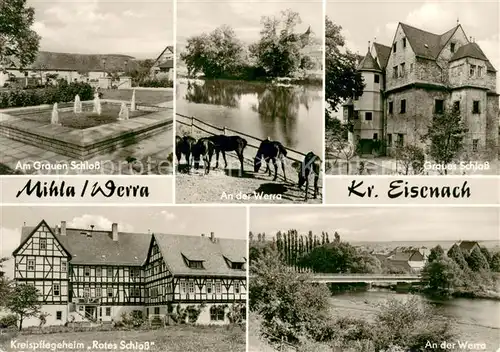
[[473, 320]]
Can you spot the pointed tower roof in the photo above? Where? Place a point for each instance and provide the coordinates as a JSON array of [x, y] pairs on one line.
[[368, 63]]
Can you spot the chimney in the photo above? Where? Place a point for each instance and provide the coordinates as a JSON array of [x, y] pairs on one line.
[[63, 228], [114, 229], [202, 235], [56, 230], [212, 237]]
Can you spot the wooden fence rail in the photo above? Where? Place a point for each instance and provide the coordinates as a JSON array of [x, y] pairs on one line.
[[254, 142]]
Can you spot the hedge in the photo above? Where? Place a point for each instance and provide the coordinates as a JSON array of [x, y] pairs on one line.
[[156, 83], [62, 93]]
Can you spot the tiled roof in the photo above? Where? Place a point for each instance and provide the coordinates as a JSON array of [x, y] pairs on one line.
[[406, 255], [474, 51], [383, 53], [130, 249], [368, 63], [48, 60], [424, 44], [467, 245], [167, 64], [213, 252]]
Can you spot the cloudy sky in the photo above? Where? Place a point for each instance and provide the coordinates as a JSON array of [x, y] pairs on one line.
[[138, 28], [379, 20], [382, 223], [196, 17]]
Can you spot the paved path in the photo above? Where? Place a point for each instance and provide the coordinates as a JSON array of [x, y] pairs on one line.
[[158, 148]]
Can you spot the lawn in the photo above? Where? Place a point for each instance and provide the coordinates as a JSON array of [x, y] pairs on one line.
[[171, 339], [148, 97], [86, 119]]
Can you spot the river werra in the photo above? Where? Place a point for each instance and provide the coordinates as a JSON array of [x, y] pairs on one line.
[[477, 321]]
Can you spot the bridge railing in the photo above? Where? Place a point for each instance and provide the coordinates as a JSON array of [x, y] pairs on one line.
[[319, 275]]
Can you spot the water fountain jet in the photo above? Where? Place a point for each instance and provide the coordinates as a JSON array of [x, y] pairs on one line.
[[123, 114], [97, 104], [54, 120], [132, 102], [77, 107]]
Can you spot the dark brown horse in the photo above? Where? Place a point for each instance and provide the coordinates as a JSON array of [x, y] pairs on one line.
[[225, 144], [270, 150], [203, 148], [184, 145], [311, 162]]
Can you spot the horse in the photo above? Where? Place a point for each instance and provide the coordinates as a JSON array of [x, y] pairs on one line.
[[204, 147], [270, 150], [311, 162], [225, 144], [184, 145]]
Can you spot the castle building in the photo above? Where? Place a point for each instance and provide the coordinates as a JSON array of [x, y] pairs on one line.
[[420, 75], [96, 276]]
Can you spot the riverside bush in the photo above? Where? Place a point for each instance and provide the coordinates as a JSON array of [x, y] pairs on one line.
[[63, 92]]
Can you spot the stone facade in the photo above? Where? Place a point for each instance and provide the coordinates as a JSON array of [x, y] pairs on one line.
[[422, 73]]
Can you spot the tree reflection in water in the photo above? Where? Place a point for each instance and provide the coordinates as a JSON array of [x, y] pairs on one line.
[[277, 107]]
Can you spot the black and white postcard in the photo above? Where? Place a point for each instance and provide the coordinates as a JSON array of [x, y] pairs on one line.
[[86, 87], [249, 101], [123, 278]]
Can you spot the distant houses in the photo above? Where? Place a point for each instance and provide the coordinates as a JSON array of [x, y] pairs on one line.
[[163, 66], [68, 66], [468, 246], [403, 259]]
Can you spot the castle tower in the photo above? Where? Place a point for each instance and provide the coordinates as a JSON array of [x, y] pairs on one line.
[[368, 108]]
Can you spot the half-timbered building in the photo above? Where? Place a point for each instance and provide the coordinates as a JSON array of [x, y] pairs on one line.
[[96, 275]]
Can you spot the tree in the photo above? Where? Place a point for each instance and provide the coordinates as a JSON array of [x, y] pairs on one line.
[[487, 254], [435, 253], [340, 148], [495, 262], [289, 304], [337, 237], [410, 324], [217, 54], [5, 284], [445, 137], [342, 81], [279, 49], [337, 257], [476, 260], [18, 42], [141, 71], [441, 274], [411, 158], [457, 255], [24, 302]]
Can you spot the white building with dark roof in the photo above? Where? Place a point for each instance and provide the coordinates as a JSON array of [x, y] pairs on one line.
[[96, 276]]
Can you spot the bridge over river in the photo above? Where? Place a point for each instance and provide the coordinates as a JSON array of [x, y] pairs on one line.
[[366, 278]]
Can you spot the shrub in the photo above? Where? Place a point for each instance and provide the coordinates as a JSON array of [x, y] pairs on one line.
[[8, 321], [156, 83], [193, 312], [63, 92]]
